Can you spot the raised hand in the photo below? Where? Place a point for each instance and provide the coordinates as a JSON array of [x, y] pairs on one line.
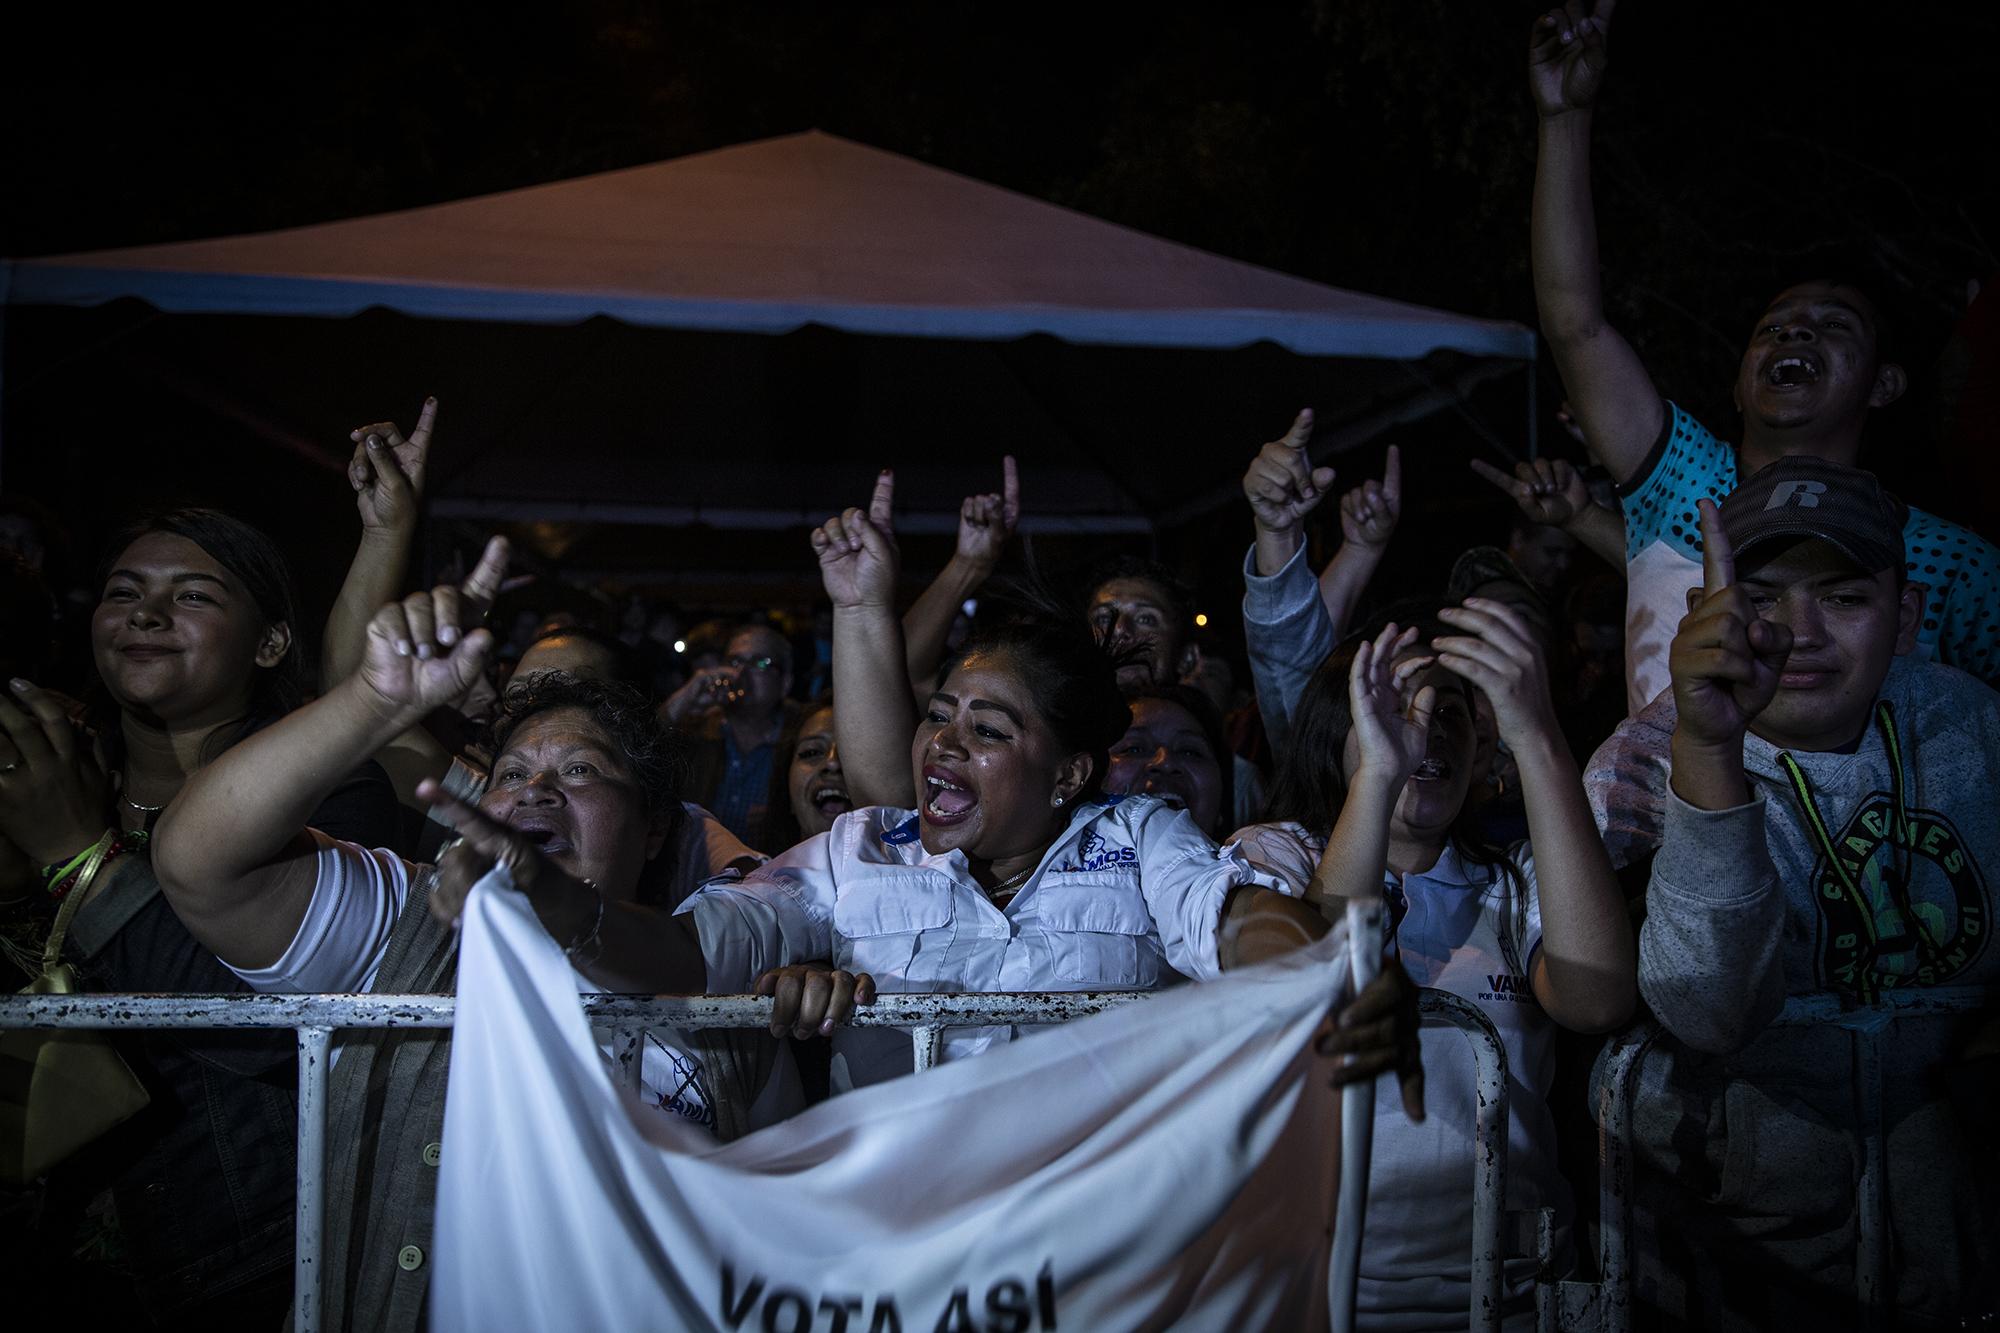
[[1368, 513], [1547, 490], [1393, 738], [1282, 484], [1725, 659], [1500, 655], [427, 650], [387, 470], [812, 998], [54, 794], [986, 522], [1567, 56], [858, 559]]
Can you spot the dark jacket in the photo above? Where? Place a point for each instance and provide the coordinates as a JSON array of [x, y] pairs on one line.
[[204, 1178]]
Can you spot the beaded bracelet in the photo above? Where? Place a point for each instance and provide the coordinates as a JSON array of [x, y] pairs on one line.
[[115, 843], [57, 871]]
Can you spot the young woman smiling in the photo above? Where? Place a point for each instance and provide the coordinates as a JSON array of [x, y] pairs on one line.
[[193, 647]]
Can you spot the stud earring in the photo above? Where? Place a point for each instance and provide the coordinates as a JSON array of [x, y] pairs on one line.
[[1056, 800]]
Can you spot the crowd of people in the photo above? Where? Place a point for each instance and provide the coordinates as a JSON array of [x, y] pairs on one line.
[[1728, 754]]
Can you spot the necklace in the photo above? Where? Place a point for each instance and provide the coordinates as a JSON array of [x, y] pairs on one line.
[[1004, 890], [127, 801]]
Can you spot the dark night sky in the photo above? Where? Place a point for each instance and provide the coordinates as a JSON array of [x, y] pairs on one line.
[[1384, 145]]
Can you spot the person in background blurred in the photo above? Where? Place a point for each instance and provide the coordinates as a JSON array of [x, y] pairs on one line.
[[1143, 614], [811, 787], [735, 717], [1174, 750]]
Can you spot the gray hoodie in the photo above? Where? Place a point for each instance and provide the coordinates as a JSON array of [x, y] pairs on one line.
[[1749, 1134]]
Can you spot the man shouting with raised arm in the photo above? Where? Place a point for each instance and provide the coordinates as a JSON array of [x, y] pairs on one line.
[[1815, 368]]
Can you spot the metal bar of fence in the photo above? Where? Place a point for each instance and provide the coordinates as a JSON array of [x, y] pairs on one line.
[[1867, 1026], [1489, 1137], [435, 1011], [310, 1219], [315, 1017]]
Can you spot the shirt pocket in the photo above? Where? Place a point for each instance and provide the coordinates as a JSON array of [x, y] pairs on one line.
[[894, 932], [1100, 936]]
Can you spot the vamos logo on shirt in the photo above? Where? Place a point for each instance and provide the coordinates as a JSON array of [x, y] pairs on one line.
[[1504, 988], [1010, 1305], [1097, 854]]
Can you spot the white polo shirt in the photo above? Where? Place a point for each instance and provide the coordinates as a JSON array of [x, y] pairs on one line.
[[1128, 898]]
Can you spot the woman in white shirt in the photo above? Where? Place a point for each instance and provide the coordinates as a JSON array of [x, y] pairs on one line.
[[984, 856], [1372, 802]]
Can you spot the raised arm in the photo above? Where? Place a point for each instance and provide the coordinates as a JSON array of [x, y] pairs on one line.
[[1584, 975], [230, 852], [1608, 387], [876, 716], [1709, 960], [387, 474], [985, 523], [1368, 515], [1551, 491]]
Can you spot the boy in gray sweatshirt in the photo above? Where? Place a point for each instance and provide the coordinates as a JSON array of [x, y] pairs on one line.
[[1828, 829]]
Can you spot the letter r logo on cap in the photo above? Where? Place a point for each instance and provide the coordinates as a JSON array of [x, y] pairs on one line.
[[1805, 493]]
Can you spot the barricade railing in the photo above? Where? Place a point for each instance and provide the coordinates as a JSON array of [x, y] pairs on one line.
[[1606, 1305], [314, 1019]]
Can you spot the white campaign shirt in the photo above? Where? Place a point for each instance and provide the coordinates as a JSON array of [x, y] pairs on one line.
[[1468, 931], [358, 895], [1128, 898]]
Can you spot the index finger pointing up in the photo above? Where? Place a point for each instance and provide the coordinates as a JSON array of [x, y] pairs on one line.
[[420, 434], [883, 503], [482, 585], [1392, 477], [1718, 558], [1301, 432]]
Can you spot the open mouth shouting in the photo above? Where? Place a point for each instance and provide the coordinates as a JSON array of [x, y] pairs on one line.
[[1793, 370], [1434, 769], [947, 798], [830, 798], [548, 839]]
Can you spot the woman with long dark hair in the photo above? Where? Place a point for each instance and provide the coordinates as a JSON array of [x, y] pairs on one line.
[[193, 644], [1371, 802]]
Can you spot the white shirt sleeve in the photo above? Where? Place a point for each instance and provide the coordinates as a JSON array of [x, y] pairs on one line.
[[1282, 849], [357, 897], [1186, 879], [782, 913]]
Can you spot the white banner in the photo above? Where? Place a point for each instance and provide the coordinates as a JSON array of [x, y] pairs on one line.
[[1170, 1163]]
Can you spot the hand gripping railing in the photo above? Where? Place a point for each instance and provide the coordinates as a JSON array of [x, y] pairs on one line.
[[1607, 1308], [314, 1018]]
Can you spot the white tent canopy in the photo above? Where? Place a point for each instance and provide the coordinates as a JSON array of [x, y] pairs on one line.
[[765, 237], [725, 341]]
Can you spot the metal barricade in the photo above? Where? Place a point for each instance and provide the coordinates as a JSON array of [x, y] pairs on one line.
[[1605, 1306], [1489, 1138], [314, 1018]]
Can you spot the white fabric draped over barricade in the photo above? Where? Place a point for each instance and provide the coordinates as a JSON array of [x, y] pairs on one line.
[[1171, 1163]]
